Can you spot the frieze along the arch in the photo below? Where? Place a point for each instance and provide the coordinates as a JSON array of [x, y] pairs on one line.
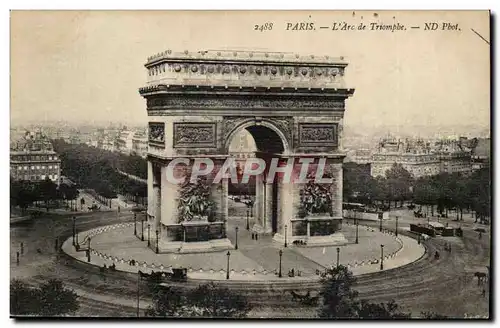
[[218, 102]]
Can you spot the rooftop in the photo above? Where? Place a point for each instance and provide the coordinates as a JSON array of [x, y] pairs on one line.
[[247, 56]]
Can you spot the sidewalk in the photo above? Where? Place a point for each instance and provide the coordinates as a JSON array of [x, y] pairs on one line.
[[117, 245]]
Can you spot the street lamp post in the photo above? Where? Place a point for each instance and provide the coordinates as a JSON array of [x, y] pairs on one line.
[[157, 233], [88, 251], [381, 257], [281, 254], [149, 240], [138, 283], [357, 226], [286, 229], [248, 218], [397, 218], [135, 224], [142, 230], [227, 271], [236, 244], [338, 256], [381, 216], [74, 229]]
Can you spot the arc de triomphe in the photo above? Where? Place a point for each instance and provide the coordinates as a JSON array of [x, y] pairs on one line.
[[292, 105]]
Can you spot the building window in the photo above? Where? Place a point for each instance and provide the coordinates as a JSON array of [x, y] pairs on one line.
[[50, 176], [55, 176], [32, 167], [50, 166], [19, 168], [38, 167], [43, 167]]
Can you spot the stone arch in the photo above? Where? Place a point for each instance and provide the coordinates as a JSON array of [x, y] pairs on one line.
[[265, 132]]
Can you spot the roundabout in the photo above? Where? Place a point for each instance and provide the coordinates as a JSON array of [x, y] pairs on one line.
[[417, 286], [258, 260]]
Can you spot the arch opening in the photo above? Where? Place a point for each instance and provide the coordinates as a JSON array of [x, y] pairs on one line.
[[255, 199]]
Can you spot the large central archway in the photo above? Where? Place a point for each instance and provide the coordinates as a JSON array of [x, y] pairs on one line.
[[293, 106], [270, 143]]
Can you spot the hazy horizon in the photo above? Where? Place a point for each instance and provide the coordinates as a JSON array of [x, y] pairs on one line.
[[87, 66]]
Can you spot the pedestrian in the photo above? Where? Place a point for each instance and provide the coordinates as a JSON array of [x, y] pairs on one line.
[[480, 235], [22, 248], [17, 258]]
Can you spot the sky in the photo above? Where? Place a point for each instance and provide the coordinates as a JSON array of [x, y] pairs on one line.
[[87, 66]]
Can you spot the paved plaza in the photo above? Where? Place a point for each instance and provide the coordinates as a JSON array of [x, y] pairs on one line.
[[254, 259]]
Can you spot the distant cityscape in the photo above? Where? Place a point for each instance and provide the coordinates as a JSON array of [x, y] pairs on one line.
[[32, 156]]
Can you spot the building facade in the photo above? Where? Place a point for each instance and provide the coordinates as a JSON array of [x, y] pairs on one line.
[[414, 155], [140, 144], [33, 158], [453, 155]]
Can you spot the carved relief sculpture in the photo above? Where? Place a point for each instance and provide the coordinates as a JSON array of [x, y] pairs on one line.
[[195, 135], [318, 134], [157, 133], [315, 199], [194, 202]]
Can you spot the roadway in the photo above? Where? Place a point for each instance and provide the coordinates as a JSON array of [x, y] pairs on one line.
[[445, 286]]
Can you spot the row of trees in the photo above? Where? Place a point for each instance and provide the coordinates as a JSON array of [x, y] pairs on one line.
[[337, 300], [49, 299], [24, 193], [460, 192], [443, 192], [97, 169]]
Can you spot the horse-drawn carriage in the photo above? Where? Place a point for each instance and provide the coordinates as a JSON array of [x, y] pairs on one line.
[[94, 208], [306, 299], [158, 277]]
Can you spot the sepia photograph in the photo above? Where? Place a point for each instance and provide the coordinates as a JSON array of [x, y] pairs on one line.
[[250, 164]]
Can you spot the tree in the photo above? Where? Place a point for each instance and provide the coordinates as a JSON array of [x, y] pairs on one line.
[[207, 301], [399, 181], [338, 298], [22, 194], [23, 299], [389, 310], [212, 301], [56, 300], [167, 302], [47, 191], [49, 299]]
